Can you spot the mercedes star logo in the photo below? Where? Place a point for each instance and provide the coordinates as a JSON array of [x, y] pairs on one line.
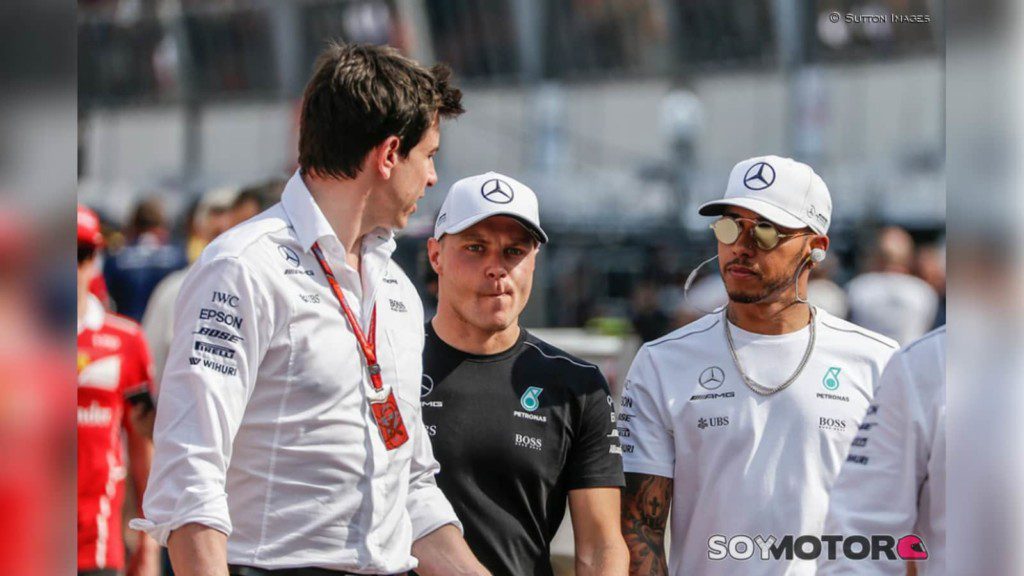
[[426, 386], [289, 255], [497, 191], [711, 378], [759, 176]]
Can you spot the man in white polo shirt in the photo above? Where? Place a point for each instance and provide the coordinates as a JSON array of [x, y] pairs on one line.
[[894, 480], [739, 422]]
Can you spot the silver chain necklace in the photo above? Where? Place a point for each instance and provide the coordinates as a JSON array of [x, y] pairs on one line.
[[759, 388]]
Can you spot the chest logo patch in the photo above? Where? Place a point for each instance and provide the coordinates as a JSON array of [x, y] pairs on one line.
[[831, 379], [530, 400], [711, 378]]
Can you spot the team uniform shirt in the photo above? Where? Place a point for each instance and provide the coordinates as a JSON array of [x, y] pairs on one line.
[[901, 306], [114, 368], [745, 464], [894, 479], [514, 433], [265, 430]]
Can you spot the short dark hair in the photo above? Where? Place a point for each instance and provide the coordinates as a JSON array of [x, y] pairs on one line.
[[360, 95]]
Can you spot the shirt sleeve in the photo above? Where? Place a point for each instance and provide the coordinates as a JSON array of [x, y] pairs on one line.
[[877, 490], [595, 459], [645, 432], [221, 332], [427, 506]]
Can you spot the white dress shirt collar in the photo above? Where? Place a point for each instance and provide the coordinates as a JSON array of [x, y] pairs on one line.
[[311, 225]]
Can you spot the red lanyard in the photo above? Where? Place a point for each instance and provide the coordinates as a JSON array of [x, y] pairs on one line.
[[385, 408]]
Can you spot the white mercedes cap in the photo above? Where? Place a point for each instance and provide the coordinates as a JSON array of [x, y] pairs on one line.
[[782, 190], [475, 198]]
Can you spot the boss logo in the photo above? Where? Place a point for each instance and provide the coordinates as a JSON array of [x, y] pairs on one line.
[[530, 442], [832, 424]]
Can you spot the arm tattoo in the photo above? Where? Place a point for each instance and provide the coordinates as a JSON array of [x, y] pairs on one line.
[[646, 501]]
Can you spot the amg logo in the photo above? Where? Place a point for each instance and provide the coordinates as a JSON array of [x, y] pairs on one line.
[[226, 319], [432, 404], [218, 334], [291, 271], [712, 396], [224, 298], [530, 442], [832, 424], [221, 351], [390, 281]]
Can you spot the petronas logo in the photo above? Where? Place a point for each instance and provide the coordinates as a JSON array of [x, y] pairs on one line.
[[530, 401], [831, 380]]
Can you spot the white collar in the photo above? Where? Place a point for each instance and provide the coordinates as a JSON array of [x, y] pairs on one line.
[[94, 315], [311, 225]]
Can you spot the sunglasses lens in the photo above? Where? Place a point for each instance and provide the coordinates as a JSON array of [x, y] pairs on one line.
[[767, 236], [726, 230]]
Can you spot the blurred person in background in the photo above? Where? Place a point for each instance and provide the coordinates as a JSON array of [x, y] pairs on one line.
[[894, 480], [887, 298], [214, 215], [824, 293], [134, 271], [254, 199], [36, 436], [518, 425], [289, 435], [647, 317], [930, 266], [739, 422], [114, 380]]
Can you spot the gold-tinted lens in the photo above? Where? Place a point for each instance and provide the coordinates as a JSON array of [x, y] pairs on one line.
[[726, 230], [766, 235]]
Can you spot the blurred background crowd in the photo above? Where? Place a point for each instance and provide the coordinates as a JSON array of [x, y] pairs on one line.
[[623, 116]]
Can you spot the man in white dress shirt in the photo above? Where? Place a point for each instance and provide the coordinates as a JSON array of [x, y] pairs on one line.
[[739, 421], [288, 437]]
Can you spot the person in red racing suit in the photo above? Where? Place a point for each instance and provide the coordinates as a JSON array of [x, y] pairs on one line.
[[114, 379]]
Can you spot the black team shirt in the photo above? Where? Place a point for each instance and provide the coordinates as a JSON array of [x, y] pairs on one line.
[[514, 432]]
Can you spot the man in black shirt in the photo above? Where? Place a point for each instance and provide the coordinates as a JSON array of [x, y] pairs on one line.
[[518, 425]]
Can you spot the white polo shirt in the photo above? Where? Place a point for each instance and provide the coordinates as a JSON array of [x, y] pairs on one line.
[[264, 430], [894, 481], [742, 463]]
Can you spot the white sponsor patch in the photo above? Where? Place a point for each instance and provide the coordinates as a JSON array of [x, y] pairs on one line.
[[104, 374]]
